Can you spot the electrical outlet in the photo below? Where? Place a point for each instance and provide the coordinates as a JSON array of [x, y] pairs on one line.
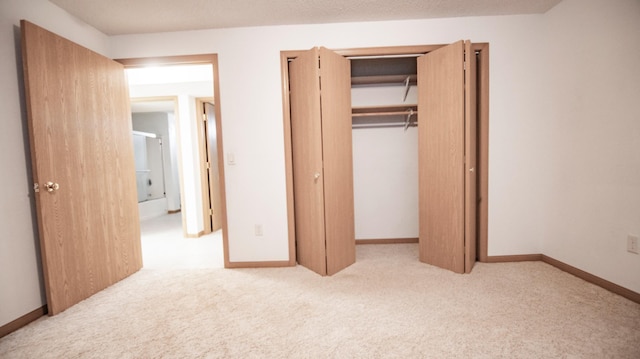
[[632, 244], [258, 230]]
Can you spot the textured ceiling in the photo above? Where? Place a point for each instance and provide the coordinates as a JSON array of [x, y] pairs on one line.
[[117, 17]]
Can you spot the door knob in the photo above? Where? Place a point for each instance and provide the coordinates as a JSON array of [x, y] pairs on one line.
[[50, 186], [316, 175]]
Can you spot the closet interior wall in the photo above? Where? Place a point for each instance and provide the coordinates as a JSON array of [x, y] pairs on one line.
[[385, 148]]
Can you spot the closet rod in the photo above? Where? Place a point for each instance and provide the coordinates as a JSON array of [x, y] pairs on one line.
[[382, 125], [369, 57], [387, 113]]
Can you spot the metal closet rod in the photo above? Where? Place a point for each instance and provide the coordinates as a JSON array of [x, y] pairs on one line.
[[367, 57], [386, 124]]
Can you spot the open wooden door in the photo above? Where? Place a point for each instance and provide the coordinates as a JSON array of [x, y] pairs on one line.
[[82, 156], [447, 238], [322, 162], [211, 141]]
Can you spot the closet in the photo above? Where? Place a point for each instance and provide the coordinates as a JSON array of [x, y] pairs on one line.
[[437, 94]]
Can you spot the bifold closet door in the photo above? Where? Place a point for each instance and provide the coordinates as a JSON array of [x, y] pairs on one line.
[[337, 150], [445, 138], [306, 145], [322, 162]]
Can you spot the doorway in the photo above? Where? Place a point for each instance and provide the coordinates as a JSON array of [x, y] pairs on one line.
[[155, 154], [191, 195]]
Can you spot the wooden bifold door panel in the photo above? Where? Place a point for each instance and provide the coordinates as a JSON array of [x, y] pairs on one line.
[[80, 136], [320, 100]]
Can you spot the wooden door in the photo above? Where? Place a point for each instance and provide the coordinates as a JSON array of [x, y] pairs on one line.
[[306, 145], [322, 160], [80, 135], [335, 82], [211, 139], [445, 208]]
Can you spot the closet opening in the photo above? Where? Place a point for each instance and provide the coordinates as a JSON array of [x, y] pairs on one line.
[[384, 126], [384, 104]]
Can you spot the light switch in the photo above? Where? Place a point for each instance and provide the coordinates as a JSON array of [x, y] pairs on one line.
[[231, 159]]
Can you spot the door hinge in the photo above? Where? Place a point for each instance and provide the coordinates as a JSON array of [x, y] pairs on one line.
[[36, 187], [210, 211], [204, 117], [208, 165]]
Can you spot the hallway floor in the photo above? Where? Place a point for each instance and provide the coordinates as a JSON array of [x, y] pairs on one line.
[[165, 247]]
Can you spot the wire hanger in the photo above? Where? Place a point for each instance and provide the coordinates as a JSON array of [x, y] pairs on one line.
[[407, 122], [406, 88]]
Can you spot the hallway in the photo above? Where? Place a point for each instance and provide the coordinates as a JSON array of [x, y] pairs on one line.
[[165, 247]]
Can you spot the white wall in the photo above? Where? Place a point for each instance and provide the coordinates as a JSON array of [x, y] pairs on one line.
[[590, 137], [251, 105], [20, 276], [173, 199], [385, 179], [190, 165], [152, 208], [385, 169]]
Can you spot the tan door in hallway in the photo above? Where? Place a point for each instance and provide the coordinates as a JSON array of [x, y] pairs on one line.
[[320, 96], [80, 136], [446, 138], [211, 136]]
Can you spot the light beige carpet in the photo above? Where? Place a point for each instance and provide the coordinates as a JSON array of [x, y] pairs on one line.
[[387, 305]]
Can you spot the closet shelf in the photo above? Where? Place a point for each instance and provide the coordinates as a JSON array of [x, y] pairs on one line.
[[391, 110], [384, 79]]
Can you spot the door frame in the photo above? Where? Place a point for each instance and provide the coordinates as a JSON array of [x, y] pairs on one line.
[[198, 59], [482, 168]]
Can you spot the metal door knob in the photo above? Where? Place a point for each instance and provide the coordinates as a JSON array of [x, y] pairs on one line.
[[51, 186], [316, 175]]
